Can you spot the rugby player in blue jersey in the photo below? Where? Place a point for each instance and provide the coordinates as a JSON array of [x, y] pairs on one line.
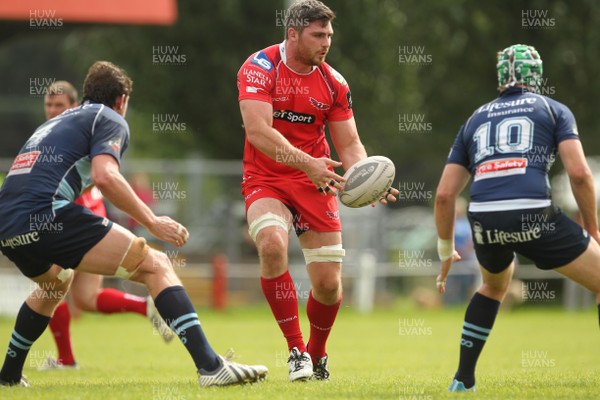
[[508, 146], [47, 235], [86, 289]]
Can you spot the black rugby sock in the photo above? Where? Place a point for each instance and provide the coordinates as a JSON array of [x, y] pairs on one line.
[[479, 319], [28, 328], [178, 312]]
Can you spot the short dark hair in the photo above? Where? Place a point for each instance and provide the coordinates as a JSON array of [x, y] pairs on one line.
[[105, 82], [303, 12], [63, 87]]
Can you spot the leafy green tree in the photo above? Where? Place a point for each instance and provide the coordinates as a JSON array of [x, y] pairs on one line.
[[430, 62]]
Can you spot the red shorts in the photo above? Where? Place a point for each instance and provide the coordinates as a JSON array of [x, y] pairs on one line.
[[310, 209]]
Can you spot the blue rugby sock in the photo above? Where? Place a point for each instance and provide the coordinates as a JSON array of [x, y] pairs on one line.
[[178, 312], [479, 319], [29, 326]]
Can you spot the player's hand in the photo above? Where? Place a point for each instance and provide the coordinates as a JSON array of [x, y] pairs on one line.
[[325, 180], [389, 195], [169, 230], [440, 281]]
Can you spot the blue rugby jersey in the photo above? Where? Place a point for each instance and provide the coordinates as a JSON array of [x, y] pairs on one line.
[[54, 166], [509, 145]]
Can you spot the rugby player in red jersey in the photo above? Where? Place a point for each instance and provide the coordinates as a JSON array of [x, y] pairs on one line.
[[86, 290], [287, 95]]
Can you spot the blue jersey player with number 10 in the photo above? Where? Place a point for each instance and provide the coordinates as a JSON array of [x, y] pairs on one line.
[[508, 146]]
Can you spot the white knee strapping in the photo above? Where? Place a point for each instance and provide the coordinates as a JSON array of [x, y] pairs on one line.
[[268, 219], [333, 253], [64, 275], [133, 257]]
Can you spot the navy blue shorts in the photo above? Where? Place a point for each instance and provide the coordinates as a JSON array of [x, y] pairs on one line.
[[544, 235], [63, 241]]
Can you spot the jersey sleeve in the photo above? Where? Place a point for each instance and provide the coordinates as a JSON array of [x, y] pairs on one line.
[[459, 153], [110, 135], [255, 80], [566, 127], [342, 106]]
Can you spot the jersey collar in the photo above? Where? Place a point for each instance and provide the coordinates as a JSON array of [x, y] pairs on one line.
[[516, 90]]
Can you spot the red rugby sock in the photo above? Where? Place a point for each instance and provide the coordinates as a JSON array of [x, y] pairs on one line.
[[281, 296], [321, 319], [59, 325], [114, 301]]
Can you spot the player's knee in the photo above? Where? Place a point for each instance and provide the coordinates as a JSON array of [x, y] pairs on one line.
[[58, 288], [158, 265], [272, 246], [274, 222], [160, 262], [495, 290], [53, 290], [135, 255], [329, 288], [65, 278]]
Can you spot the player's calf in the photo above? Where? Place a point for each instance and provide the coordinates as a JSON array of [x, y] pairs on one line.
[[84, 291], [156, 272], [154, 269], [32, 320]]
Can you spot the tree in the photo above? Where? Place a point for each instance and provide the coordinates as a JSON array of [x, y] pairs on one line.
[[426, 65]]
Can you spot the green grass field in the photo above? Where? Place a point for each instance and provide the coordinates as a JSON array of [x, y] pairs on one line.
[[397, 353]]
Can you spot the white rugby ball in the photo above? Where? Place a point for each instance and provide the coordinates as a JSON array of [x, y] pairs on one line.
[[367, 181]]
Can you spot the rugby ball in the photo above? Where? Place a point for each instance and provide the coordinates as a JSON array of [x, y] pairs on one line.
[[367, 181]]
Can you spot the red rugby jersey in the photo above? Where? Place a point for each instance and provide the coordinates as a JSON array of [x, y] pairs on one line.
[[302, 105], [92, 199]]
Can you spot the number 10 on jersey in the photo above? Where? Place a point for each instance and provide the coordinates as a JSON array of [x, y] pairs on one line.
[[513, 135]]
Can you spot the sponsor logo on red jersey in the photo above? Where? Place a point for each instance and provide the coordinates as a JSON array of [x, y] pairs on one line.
[[256, 77], [293, 117], [262, 61], [317, 104]]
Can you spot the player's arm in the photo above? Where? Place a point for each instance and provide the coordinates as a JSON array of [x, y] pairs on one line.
[[582, 183], [258, 121], [107, 177], [453, 181], [346, 141]]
